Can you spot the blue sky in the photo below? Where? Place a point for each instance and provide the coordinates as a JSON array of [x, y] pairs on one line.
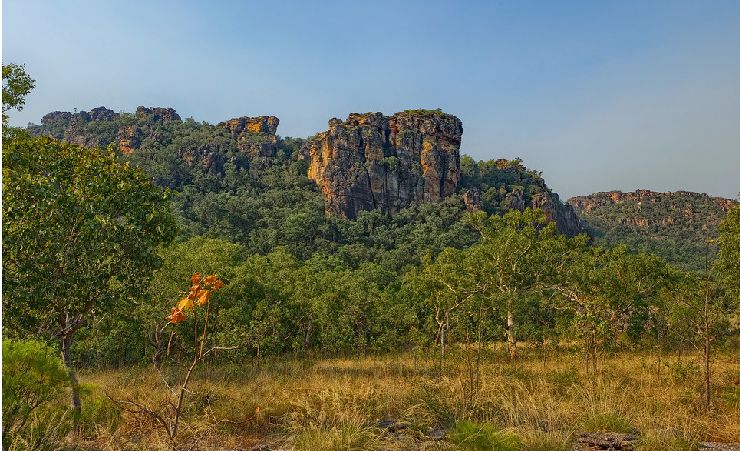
[[598, 95]]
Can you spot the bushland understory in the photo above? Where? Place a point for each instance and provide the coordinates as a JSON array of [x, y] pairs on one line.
[[416, 400]]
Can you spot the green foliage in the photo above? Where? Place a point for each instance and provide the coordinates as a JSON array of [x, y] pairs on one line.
[[80, 232], [302, 281], [117, 339], [728, 260], [423, 112], [262, 204], [33, 378], [503, 185], [475, 436], [16, 86], [611, 292]]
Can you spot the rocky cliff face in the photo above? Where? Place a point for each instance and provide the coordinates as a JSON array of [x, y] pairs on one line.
[[374, 161], [368, 161], [71, 127], [256, 136], [157, 114], [564, 216], [647, 208], [497, 186]]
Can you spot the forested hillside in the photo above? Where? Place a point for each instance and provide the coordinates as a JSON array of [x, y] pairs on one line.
[[239, 181], [242, 196], [675, 226]]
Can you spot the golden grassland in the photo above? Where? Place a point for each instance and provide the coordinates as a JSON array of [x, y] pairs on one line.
[[536, 403]]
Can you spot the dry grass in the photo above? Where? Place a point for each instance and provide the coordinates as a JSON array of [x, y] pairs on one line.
[[338, 403]]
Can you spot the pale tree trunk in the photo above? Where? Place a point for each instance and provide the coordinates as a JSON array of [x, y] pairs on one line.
[[442, 322], [66, 342], [510, 334], [707, 337], [157, 340], [706, 355], [442, 339]]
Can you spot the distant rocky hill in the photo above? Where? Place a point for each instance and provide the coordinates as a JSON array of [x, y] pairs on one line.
[[674, 225], [368, 162]]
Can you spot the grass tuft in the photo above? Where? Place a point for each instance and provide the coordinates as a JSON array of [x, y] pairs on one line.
[[484, 437]]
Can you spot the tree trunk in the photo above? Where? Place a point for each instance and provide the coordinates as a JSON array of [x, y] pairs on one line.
[[307, 337], [707, 379], [158, 343], [707, 337], [706, 353], [593, 350], [510, 336], [442, 341], [66, 342]]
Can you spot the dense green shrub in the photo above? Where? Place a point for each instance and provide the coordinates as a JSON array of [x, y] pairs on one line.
[[33, 378]]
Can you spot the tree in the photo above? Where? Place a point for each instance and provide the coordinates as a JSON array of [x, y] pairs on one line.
[[515, 253], [198, 297], [608, 292], [16, 86], [721, 290], [80, 233], [728, 259], [207, 256], [446, 285]]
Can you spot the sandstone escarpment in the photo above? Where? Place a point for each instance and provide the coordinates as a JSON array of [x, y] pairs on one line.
[[253, 136], [673, 225], [157, 114], [564, 216], [645, 208], [129, 138], [371, 161], [256, 136], [587, 204], [70, 127]]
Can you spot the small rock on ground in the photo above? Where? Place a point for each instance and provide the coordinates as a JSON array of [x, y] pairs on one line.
[[606, 441], [715, 446], [392, 425], [436, 433]]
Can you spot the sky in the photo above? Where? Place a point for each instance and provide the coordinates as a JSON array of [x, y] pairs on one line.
[[598, 95]]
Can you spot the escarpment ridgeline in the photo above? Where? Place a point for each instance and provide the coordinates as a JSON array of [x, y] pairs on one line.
[[366, 162], [254, 136], [371, 161], [673, 225]]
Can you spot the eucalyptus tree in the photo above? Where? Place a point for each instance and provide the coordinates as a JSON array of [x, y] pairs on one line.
[[16, 86], [80, 233], [517, 252], [608, 292], [445, 283], [727, 264]]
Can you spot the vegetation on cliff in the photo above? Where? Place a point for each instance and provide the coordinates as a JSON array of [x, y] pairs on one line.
[[223, 190], [675, 226]]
